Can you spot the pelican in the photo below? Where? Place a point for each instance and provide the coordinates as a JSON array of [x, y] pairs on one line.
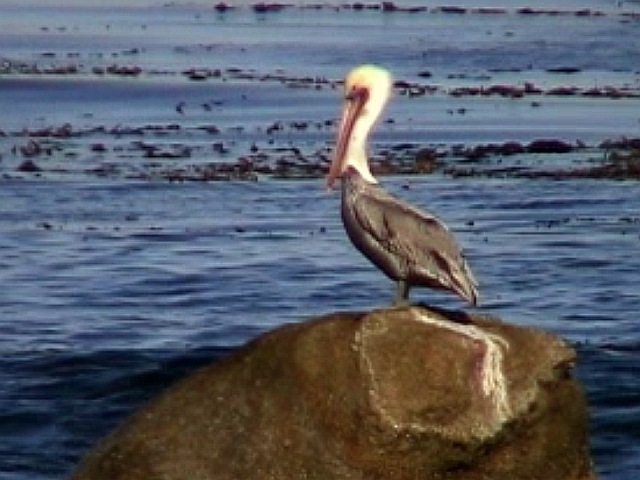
[[411, 246]]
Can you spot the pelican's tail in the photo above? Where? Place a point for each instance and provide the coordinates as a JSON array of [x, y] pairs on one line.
[[465, 284]]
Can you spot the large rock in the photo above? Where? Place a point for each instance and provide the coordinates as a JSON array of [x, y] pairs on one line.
[[406, 393]]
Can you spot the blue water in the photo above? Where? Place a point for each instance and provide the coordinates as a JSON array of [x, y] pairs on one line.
[[114, 286]]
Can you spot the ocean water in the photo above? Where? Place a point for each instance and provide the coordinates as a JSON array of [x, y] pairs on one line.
[[116, 281]]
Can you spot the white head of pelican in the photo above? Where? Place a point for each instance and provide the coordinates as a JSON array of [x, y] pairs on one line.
[[366, 91]]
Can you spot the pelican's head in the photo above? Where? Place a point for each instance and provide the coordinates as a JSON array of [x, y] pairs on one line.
[[366, 90]]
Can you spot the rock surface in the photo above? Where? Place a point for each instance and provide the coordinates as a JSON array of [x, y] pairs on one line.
[[406, 393]]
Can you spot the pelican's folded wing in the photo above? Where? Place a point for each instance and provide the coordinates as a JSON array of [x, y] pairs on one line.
[[418, 238]]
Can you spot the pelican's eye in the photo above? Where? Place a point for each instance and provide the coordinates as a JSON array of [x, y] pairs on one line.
[[357, 93]]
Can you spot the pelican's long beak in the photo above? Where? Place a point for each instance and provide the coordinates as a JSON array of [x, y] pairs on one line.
[[354, 102]]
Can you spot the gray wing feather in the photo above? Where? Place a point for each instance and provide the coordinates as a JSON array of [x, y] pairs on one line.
[[419, 239]]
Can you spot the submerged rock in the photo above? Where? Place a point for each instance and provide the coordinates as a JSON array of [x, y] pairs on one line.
[[400, 393]]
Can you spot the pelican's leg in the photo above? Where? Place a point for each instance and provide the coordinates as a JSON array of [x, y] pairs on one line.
[[402, 294]]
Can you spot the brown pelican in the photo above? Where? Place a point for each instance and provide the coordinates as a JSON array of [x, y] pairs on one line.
[[410, 246]]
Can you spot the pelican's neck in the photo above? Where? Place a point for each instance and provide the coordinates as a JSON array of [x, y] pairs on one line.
[[358, 142], [357, 155]]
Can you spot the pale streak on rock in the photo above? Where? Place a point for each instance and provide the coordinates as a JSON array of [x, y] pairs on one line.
[[494, 385]]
